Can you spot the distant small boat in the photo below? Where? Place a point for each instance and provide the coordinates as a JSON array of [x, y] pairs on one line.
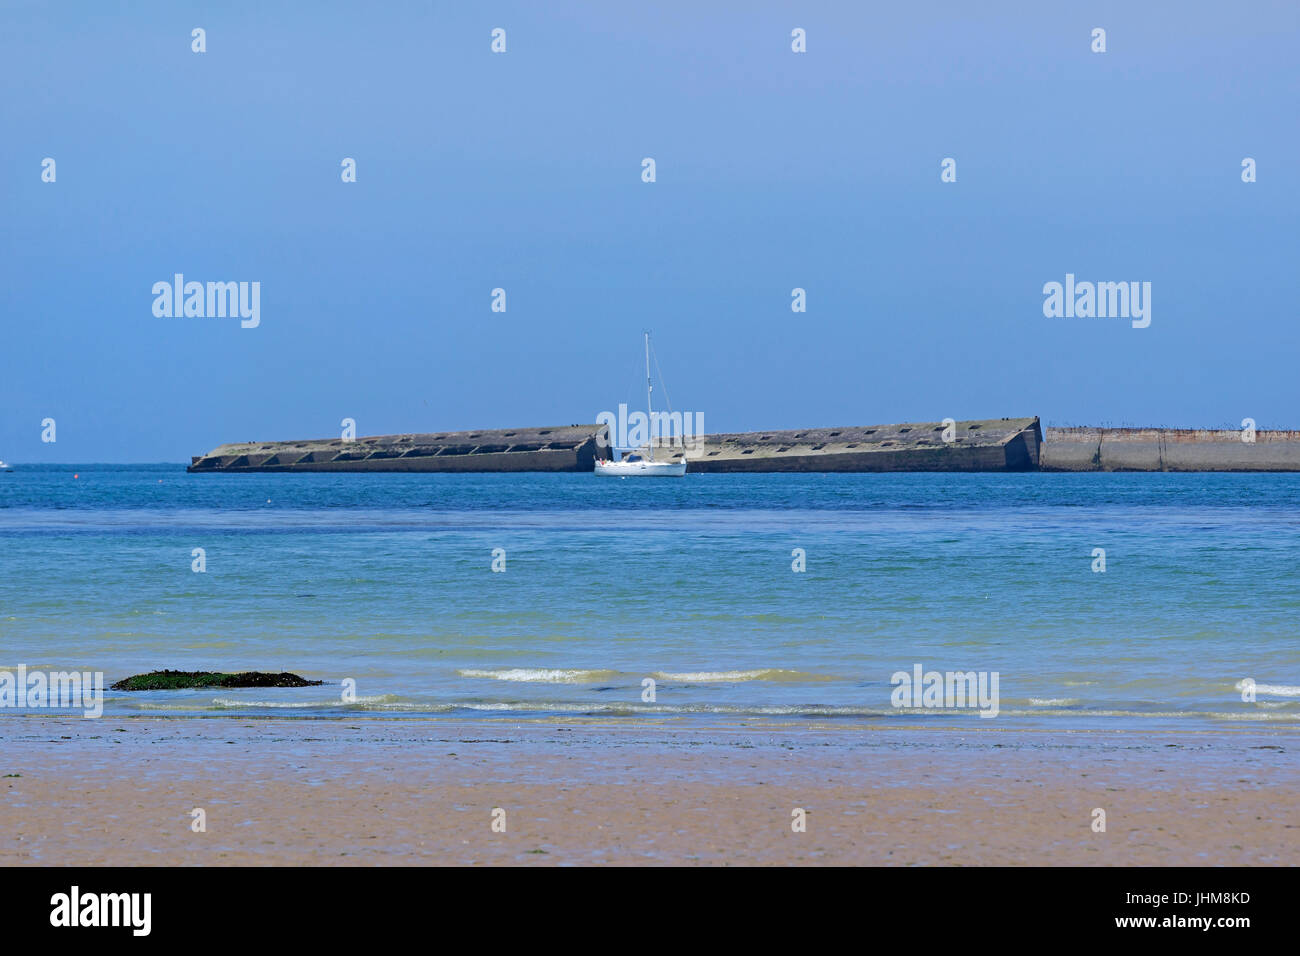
[[4, 466], [635, 465]]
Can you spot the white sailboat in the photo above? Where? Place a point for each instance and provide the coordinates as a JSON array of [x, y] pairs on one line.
[[635, 465]]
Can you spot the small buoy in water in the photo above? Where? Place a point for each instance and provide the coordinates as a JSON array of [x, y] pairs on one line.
[[76, 476]]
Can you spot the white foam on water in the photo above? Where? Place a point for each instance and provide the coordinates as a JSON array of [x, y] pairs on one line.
[[231, 703], [1053, 701], [1278, 711], [1151, 714], [1274, 690], [724, 677], [671, 709], [539, 675]]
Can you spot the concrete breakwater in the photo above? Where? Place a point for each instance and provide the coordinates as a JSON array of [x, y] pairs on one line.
[[1168, 449], [999, 444], [1007, 444], [557, 448]]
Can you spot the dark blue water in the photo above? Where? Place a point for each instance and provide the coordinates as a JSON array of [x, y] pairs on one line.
[[387, 580]]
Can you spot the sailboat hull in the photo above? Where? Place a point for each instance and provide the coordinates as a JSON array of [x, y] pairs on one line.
[[641, 469]]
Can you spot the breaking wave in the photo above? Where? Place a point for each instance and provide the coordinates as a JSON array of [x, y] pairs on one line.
[[723, 677], [1274, 690], [539, 675]]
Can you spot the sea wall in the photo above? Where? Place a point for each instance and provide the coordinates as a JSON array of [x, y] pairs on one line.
[[555, 448], [1168, 449], [1003, 444], [1000, 444]]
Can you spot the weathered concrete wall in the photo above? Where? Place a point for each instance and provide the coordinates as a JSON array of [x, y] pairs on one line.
[[558, 448], [1003, 444], [1168, 449]]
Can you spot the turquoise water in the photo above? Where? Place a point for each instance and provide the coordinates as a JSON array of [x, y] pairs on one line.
[[387, 580]]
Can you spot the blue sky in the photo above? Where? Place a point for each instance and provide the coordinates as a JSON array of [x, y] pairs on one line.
[[522, 170]]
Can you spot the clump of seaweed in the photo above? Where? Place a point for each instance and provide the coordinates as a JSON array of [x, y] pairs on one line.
[[185, 680]]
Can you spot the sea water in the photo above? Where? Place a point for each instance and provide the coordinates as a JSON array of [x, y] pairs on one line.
[[664, 598]]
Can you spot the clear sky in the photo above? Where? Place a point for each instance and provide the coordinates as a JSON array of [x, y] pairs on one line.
[[523, 171]]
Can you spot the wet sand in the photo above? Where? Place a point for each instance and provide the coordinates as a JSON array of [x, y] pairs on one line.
[[120, 791]]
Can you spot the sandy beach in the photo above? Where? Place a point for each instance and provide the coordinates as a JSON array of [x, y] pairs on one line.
[[122, 791]]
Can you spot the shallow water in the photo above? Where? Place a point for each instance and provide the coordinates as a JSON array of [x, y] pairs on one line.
[[387, 580]]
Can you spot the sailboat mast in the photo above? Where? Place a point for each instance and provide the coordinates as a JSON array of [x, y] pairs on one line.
[[648, 389]]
